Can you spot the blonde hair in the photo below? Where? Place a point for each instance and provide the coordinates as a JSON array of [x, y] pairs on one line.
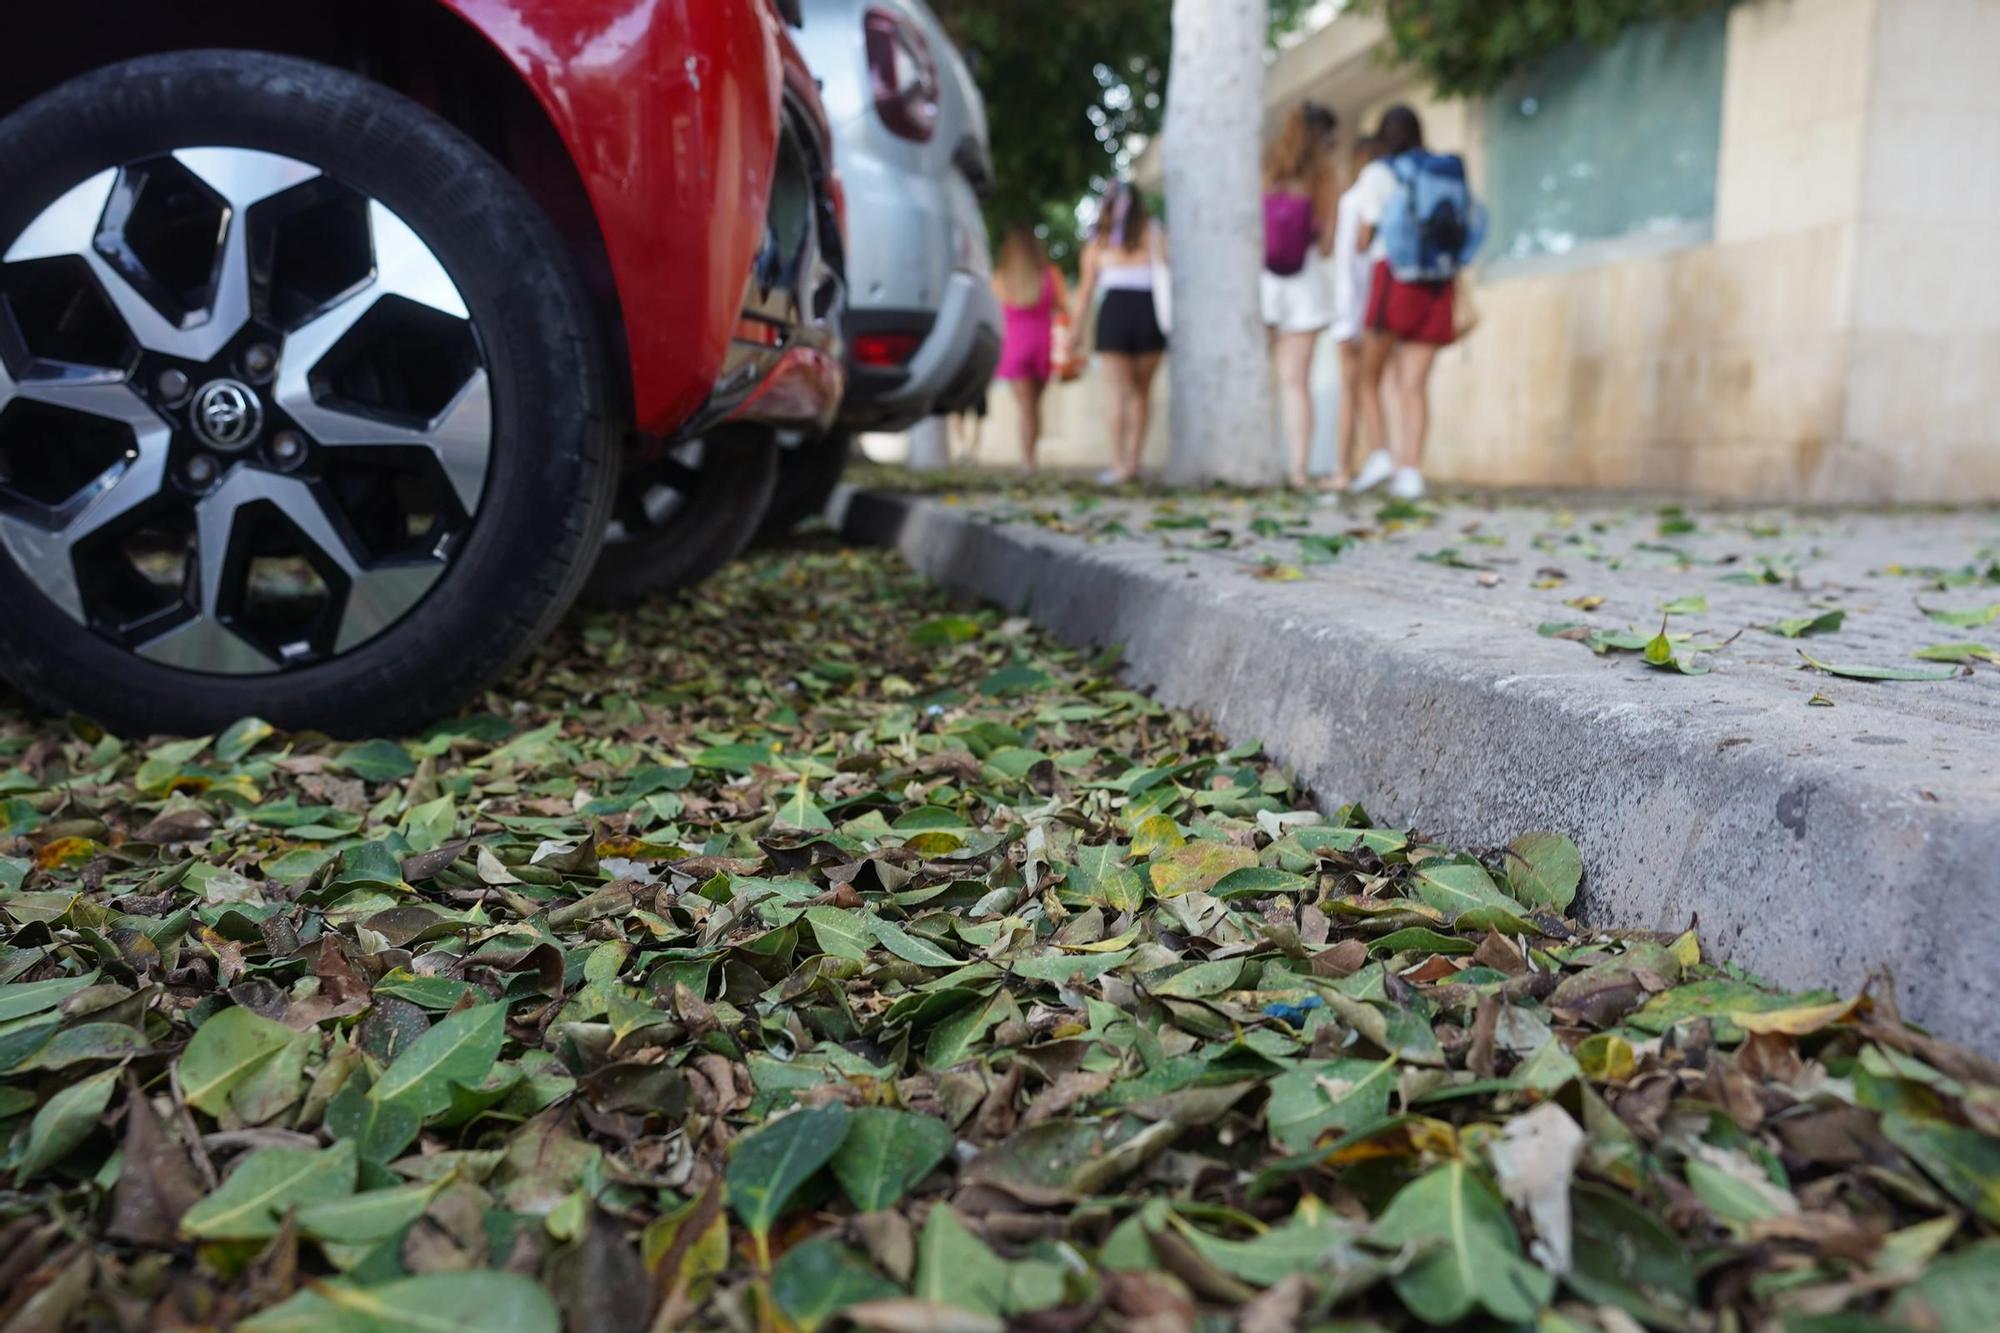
[[1022, 267], [1298, 151]]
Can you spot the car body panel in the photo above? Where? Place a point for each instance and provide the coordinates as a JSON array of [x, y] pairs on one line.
[[671, 111], [917, 249]]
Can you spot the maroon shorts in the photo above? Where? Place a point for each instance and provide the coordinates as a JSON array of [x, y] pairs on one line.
[[1418, 312]]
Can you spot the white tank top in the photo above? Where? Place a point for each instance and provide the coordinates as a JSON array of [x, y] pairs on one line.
[[1126, 277]]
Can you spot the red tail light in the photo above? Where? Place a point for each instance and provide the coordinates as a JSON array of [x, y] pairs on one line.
[[885, 350], [904, 75]]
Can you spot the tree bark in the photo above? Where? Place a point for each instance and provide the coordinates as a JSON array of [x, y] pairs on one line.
[[1222, 407]]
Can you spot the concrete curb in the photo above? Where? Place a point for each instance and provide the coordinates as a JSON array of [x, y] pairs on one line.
[[1805, 864]]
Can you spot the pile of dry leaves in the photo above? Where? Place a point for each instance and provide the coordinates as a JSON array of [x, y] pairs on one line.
[[812, 955]]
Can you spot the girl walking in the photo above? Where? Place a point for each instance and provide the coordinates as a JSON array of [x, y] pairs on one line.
[[1032, 293], [1300, 198], [1407, 322], [1125, 251], [1351, 276]]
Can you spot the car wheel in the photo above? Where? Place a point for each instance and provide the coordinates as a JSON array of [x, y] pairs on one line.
[[807, 475], [685, 513], [302, 412]]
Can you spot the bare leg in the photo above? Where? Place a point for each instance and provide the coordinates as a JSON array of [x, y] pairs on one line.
[[1118, 388], [1412, 376], [1028, 406], [1144, 368], [1292, 357], [1347, 436], [1375, 350]]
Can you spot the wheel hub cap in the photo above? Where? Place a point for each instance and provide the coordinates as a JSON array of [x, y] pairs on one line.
[[227, 414], [155, 496]]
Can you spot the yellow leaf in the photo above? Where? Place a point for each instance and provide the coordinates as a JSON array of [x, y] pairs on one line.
[[1197, 866], [1606, 1058], [1155, 833], [1799, 1022], [1686, 950]]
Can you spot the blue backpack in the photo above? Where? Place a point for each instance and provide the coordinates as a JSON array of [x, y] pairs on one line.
[[1432, 226]]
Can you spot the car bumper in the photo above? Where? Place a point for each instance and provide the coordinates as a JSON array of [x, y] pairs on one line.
[[950, 370]]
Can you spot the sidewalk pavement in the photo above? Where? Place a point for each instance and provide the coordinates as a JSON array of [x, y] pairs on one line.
[[1437, 665]]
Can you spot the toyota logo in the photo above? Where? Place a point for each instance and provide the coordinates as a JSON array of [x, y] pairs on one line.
[[226, 414]]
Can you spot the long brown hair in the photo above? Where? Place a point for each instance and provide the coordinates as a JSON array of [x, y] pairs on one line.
[[1298, 151], [1022, 267], [1122, 218]]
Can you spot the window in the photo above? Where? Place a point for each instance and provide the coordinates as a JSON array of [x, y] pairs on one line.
[[1592, 145]]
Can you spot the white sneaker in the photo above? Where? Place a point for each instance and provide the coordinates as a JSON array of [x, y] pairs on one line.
[[1378, 469], [1407, 484]]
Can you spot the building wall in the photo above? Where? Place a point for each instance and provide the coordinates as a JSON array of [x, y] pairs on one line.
[[1923, 400]]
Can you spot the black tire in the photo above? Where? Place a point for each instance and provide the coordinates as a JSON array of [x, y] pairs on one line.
[[718, 504], [807, 476], [551, 474]]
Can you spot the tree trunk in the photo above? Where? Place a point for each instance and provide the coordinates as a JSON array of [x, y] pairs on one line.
[[1222, 407]]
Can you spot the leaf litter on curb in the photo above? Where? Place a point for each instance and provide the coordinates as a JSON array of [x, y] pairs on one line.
[[810, 955]]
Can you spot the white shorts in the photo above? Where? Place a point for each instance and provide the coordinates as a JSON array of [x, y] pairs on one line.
[[1302, 303]]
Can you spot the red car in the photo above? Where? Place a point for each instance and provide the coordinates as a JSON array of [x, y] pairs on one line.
[[335, 336]]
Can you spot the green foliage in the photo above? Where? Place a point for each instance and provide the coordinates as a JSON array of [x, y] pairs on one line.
[[1066, 86], [1469, 47]]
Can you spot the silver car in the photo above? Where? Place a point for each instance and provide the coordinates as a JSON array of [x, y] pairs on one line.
[[911, 149]]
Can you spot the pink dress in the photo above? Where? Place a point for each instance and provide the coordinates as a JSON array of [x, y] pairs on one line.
[[1027, 344]]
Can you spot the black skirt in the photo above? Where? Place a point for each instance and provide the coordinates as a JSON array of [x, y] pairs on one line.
[[1127, 325]]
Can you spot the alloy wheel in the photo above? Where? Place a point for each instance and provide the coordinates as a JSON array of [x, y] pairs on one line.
[[245, 417]]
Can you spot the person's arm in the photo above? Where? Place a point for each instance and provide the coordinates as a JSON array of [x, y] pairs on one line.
[[1087, 275], [1062, 294], [1370, 204], [1326, 211]]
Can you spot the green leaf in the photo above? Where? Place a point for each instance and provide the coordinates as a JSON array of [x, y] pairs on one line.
[[226, 1050], [769, 1165], [1259, 880], [1958, 652], [840, 932], [379, 1130], [738, 758], [377, 761], [1474, 1260], [1964, 1161], [64, 1122], [946, 629], [458, 1050], [1336, 1096], [1101, 874], [955, 1269], [800, 812], [1017, 679], [1970, 618], [1691, 605], [1200, 981], [1459, 887], [907, 946], [475, 1301], [1959, 1294], [1624, 1255], [885, 1153], [243, 736], [1875, 672], [1659, 652], [265, 1185], [817, 1280], [1544, 870], [362, 1219], [33, 997], [1799, 626]]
